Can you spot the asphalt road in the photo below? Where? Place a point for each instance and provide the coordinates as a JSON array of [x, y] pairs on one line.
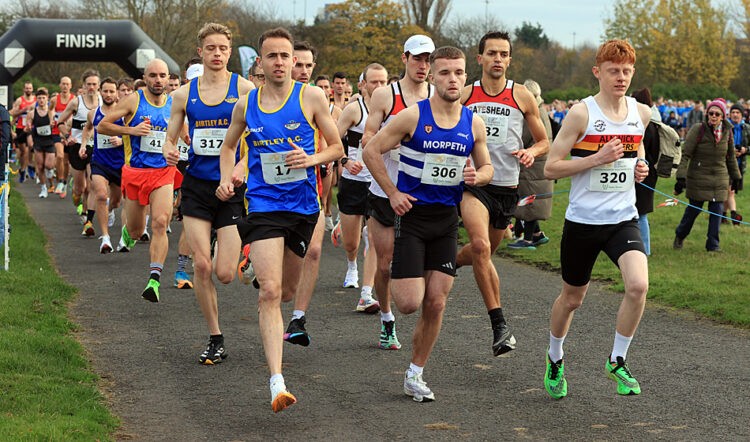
[[694, 373]]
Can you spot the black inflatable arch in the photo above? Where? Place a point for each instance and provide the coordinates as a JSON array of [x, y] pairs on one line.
[[31, 40]]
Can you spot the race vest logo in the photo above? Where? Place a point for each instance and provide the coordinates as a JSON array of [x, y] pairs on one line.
[[600, 125], [292, 125], [231, 99], [193, 100], [428, 128], [463, 135], [633, 123]]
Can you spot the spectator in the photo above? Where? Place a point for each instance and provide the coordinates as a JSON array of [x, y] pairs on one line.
[[708, 162], [644, 196], [696, 115], [741, 136], [672, 121], [5, 137]]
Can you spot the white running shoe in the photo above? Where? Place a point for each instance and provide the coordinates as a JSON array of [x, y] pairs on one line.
[[121, 246], [44, 192], [60, 188], [106, 246], [111, 218], [367, 304], [49, 173], [415, 387], [352, 279], [280, 397], [329, 223]]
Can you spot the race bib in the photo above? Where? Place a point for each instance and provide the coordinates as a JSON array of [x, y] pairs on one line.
[[497, 128], [208, 141], [103, 142], [618, 176], [443, 169], [275, 170], [44, 131], [183, 149], [153, 142]]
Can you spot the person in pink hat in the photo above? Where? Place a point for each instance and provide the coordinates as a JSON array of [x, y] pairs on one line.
[[707, 165]]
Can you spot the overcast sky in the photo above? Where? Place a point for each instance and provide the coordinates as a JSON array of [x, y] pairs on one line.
[[567, 22]]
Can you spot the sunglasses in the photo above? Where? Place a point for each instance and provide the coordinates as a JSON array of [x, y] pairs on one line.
[[715, 114]]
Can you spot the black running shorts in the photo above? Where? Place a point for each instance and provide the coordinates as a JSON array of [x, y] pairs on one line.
[[380, 209], [114, 176], [500, 202], [581, 243], [199, 200], [75, 160], [296, 228], [352, 196], [426, 239]]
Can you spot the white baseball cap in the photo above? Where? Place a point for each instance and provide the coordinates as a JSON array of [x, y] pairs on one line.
[[419, 44], [195, 70]]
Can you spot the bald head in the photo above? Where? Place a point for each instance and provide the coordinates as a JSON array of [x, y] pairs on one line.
[[156, 76]]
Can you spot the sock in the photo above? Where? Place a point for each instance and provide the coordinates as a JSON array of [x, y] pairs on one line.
[[276, 378], [620, 348], [90, 215], [366, 292], [366, 238], [298, 314], [147, 218], [415, 369], [496, 317], [156, 268], [217, 338], [352, 265], [386, 317], [182, 261], [555, 347]]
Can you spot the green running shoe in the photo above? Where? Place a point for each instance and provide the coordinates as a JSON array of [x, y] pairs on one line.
[[620, 373], [151, 292], [388, 339], [79, 209], [126, 239], [554, 379]]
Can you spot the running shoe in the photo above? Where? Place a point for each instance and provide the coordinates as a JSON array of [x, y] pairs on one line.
[[336, 234], [351, 279], [145, 237], [214, 352], [106, 246], [21, 176], [44, 193], [541, 239], [503, 340], [554, 379], [388, 338], [182, 280], [416, 387], [64, 191], [151, 292], [60, 188], [296, 333], [49, 173], [329, 223], [245, 269], [126, 242], [620, 373], [111, 218], [367, 304], [522, 244], [32, 172], [280, 397], [88, 229], [79, 209]]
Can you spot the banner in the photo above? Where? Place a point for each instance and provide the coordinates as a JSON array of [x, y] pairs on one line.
[[247, 58]]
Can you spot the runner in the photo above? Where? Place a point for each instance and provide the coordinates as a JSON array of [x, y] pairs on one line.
[[21, 107], [256, 75], [207, 102], [486, 211], [174, 83], [339, 90], [353, 187], [107, 160], [385, 104], [146, 177], [39, 125], [282, 120], [62, 166], [433, 166], [78, 108], [603, 136]]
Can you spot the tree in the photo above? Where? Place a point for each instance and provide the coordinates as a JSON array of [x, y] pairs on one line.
[[677, 41], [429, 15], [531, 36]]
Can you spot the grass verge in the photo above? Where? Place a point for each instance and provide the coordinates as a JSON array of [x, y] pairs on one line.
[[49, 391]]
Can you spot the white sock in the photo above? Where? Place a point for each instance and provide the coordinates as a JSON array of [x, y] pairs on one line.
[[367, 239], [555, 347], [297, 314], [415, 369], [352, 265], [366, 292], [147, 218], [620, 348], [276, 378], [386, 317]]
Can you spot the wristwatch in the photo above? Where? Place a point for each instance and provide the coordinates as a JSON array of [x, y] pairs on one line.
[[344, 160]]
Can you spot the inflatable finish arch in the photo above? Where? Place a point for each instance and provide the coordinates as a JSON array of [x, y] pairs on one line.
[[31, 40]]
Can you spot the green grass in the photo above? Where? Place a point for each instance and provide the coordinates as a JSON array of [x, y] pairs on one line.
[[48, 389], [711, 285]]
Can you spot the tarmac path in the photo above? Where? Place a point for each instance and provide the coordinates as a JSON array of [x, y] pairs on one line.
[[694, 373]]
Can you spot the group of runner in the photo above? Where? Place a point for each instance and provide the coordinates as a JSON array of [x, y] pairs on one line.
[[413, 155]]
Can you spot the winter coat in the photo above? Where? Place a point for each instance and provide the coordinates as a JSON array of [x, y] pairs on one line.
[[707, 165], [531, 181], [644, 197]]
